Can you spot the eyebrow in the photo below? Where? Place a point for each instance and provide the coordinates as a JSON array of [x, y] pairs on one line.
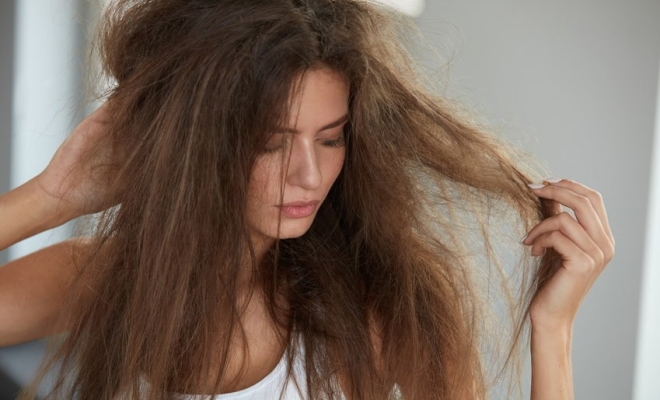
[[331, 125]]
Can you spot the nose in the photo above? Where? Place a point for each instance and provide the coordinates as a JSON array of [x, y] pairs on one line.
[[304, 168]]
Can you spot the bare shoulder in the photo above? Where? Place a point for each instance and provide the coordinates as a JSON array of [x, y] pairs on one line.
[[34, 288]]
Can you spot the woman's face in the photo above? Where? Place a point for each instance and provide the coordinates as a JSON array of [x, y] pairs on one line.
[[315, 139]]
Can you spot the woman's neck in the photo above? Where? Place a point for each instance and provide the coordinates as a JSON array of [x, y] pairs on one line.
[[260, 244]]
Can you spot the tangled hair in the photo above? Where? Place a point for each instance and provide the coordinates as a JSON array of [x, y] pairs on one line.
[[199, 84]]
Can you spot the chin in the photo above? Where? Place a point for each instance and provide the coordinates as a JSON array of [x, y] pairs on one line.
[[292, 233], [294, 229], [289, 228]]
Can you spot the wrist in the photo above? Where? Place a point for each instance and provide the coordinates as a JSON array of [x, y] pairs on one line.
[[48, 212], [559, 339], [552, 376], [26, 211], [544, 322], [553, 327]]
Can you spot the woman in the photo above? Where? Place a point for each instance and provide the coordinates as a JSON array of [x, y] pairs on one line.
[[292, 204]]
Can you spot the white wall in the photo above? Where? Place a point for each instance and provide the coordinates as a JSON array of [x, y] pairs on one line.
[[575, 82], [47, 90], [413, 8], [647, 384], [6, 81]]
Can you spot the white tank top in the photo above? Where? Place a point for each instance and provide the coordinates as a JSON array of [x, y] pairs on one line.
[[269, 387]]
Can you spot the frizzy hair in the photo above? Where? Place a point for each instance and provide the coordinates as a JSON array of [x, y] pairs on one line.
[[373, 292]]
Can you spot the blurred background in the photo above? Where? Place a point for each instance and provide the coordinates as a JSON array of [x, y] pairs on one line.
[[574, 83]]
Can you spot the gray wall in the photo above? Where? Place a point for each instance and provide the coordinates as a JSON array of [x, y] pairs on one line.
[[8, 387], [6, 78], [574, 82]]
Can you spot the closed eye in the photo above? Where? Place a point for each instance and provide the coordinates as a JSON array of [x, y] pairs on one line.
[[339, 142], [277, 142]]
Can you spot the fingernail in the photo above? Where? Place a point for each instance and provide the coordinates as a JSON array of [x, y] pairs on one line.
[[552, 180], [523, 239], [536, 185], [539, 255]]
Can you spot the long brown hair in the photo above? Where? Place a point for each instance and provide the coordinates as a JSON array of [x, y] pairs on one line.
[[380, 290]]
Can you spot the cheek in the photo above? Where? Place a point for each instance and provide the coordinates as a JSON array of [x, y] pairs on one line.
[[337, 165], [263, 182]]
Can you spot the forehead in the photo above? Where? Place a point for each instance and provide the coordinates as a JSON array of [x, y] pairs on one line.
[[320, 97]]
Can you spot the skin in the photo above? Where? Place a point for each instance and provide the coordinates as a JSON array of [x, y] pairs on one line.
[[586, 245], [32, 288], [313, 146]]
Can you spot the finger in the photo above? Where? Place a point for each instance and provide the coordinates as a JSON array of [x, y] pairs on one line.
[[570, 228], [582, 207], [595, 197], [576, 261]]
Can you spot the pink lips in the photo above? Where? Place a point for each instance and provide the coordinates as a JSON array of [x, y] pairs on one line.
[[299, 209]]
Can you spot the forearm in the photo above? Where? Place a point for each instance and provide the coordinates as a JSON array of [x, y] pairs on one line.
[[552, 375], [25, 212], [34, 288]]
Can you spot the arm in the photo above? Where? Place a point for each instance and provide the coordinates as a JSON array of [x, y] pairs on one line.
[[34, 288], [586, 245], [26, 211], [552, 374]]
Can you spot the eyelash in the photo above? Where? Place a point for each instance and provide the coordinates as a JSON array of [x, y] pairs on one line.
[[339, 142]]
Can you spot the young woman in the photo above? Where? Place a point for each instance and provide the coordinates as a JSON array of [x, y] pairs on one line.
[[285, 208]]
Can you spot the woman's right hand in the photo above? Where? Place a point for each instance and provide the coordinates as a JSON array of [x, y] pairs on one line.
[[80, 174]]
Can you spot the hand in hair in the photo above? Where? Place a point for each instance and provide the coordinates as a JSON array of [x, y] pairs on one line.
[[80, 174], [586, 245]]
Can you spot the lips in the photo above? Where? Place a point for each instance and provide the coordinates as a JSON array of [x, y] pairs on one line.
[[299, 209]]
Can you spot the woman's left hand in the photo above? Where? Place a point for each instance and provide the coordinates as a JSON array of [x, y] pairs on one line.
[[585, 244]]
